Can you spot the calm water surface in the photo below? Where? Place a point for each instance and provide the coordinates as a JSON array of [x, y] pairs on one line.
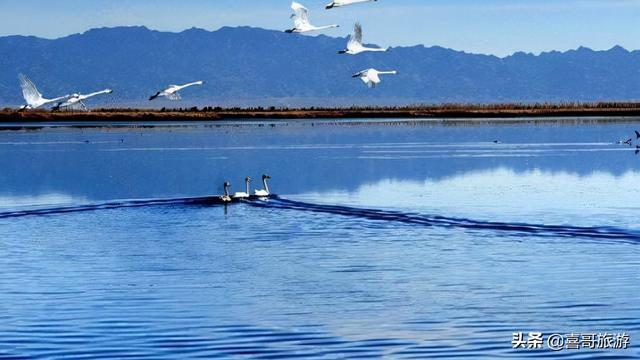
[[397, 241]]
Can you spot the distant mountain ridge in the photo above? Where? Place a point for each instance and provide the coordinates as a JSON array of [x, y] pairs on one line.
[[247, 66]]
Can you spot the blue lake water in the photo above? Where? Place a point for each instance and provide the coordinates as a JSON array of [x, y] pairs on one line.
[[395, 240]]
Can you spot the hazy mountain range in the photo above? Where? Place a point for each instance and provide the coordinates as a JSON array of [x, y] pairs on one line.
[[250, 66]]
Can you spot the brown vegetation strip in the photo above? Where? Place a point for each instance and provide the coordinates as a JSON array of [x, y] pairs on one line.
[[446, 111]]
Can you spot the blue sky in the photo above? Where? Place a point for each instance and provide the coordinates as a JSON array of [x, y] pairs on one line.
[[498, 27]]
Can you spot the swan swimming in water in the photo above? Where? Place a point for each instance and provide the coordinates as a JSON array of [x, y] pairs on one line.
[[301, 23], [371, 77], [75, 101], [226, 197], [244, 195], [32, 96], [340, 3], [355, 46], [171, 92], [264, 192]]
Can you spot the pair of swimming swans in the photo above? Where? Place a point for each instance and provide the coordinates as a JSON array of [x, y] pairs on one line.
[[261, 193]]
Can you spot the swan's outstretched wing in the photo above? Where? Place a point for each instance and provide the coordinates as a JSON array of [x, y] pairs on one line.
[[356, 37], [29, 91], [78, 106], [301, 14], [175, 96], [71, 105], [370, 77], [373, 76]]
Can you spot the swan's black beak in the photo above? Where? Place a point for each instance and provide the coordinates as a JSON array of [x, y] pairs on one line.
[[342, 52], [289, 31], [154, 96]]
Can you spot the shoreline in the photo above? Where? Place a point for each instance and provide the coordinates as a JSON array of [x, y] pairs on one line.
[[449, 114]]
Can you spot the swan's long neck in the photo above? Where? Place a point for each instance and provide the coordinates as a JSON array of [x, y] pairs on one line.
[[190, 84], [226, 190], [266, 186], [388, 72], [105, 91], [248, 186]]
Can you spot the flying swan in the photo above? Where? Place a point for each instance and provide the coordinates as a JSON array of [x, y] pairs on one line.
[[171, 92], [355, 46], [76, 101], [301, 22], [32, 96], [371, 77], [340, 3]]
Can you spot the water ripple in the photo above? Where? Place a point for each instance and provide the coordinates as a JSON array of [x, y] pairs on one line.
[[600, 232]]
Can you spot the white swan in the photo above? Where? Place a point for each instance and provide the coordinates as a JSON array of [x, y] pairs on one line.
[[264, 192], [226, 197], [32, 96], [76, 100], [355, 46], [244, 195], [171, 92], [340, 3], [371, 77], [301, 22]]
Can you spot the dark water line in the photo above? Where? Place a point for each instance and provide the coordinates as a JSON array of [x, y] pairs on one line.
[[276, 202], [212, 200], [599, 232]]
